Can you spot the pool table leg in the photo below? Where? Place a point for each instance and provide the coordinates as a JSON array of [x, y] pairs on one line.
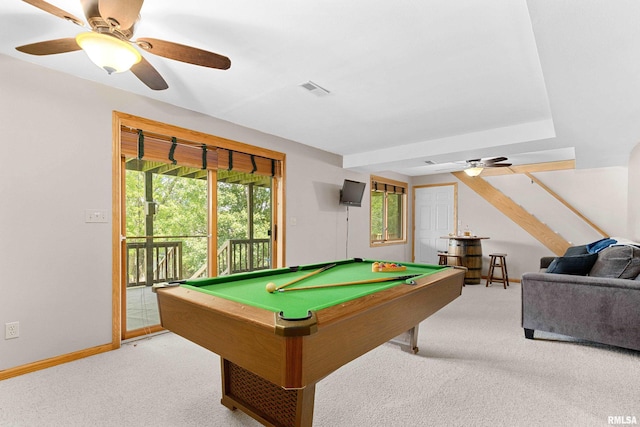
[[408, 341], [268, 403]]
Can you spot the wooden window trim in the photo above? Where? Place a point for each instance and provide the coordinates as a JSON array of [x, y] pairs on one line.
[[389, 186], [163, 134]]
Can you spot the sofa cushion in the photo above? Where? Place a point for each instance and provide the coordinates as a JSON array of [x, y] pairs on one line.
[[622, 262], [575, 264]]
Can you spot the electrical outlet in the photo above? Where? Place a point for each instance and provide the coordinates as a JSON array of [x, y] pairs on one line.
[[11, 330]]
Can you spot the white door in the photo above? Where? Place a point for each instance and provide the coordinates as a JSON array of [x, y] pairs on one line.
[[434, 218]]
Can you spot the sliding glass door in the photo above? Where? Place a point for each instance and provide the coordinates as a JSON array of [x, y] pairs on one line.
[[244, 221], [166, 234], [187, 205]]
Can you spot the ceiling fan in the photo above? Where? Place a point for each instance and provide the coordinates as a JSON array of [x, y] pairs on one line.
[[476, 166], [109, 43]]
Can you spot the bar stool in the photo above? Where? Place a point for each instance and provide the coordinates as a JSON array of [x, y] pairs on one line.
[[500, 261], [443, 259]]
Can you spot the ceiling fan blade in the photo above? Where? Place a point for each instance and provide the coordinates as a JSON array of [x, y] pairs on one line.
[[55, 11], [50, 47], [124, 12], [184, 53], [149, 75], [498, 165], [495, 160], [473, 160]]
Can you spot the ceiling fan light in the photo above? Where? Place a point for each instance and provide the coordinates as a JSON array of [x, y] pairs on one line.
[[108, 52], [473, 171]]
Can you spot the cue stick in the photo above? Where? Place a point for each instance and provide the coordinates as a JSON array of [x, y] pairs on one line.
[[357, 282], [313, 273]]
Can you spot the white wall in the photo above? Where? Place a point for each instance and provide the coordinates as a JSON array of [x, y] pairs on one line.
[[55, 142], [634, 190], [599, 194]]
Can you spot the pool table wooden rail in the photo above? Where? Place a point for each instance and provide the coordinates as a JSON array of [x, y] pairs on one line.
[[246, 335], [370, 321]]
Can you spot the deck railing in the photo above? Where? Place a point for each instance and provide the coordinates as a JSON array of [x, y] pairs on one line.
[[167, 262], [234, 256], [242, 255]]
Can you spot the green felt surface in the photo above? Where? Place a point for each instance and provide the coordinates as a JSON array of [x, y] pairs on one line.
[[250, 288]]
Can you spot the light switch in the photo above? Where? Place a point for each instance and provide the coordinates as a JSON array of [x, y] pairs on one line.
[[95, 215]]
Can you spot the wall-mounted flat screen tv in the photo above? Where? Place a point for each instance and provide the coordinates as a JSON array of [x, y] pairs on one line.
[[351, 193]]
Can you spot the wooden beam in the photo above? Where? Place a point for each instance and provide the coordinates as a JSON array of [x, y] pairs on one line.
[[165, 169], [534, 167], [545, 167], [515, 212], [244, 178]]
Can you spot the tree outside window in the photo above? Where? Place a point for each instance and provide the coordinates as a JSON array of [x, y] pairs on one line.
[[388, 211]]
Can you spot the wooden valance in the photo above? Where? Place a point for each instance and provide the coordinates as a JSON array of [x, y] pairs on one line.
[[162, 148], [388, 185]]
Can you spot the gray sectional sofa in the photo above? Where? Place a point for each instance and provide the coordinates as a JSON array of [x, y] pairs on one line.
[[591, 293]]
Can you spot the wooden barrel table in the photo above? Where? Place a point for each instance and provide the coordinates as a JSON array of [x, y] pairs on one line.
[[470, 250]]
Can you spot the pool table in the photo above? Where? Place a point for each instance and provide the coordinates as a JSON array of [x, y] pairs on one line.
[[274, 347]]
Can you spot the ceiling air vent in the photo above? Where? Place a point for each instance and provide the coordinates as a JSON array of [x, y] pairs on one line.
[[315, 89]]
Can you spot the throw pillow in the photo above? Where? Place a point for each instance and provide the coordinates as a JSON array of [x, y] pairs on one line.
[[620, 262], [578, 265], [576, 250]]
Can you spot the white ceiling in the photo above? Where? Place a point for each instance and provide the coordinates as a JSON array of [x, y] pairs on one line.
[[409, 82]]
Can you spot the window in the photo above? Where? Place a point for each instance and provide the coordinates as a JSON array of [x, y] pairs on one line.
[[388, 211]]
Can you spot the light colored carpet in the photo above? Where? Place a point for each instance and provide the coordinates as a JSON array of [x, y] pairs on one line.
[[474, 368]]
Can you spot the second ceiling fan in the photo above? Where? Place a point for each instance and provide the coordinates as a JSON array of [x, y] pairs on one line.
[[476, 166]]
